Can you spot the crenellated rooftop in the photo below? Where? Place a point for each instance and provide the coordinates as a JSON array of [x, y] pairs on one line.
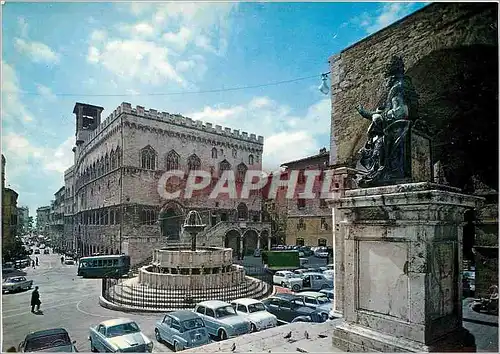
[[178, 120]]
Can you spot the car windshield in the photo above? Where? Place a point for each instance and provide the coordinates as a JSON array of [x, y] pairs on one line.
[[123, 329], [225, 312], [45, 342], [193, 323], [323, 300], [257, 307]]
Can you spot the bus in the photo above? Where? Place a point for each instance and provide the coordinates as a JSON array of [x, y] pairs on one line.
[[109, 266], [281, 260]]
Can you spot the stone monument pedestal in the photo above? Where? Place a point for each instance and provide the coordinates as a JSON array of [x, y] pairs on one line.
[[402, 249]]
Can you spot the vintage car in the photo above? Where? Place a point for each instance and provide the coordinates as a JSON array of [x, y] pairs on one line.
[[281, 275], [321, 252], [256, 313], [291, 308], [309, 281], [316, 300], [182, 330], [8, 267], [329, 273], [37, 251], [221, 319], [46, 251], [16, 284], [69, 261], [49, 340], [119, 335], [329, 293]]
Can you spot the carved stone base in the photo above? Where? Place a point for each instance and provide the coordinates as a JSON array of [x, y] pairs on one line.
[[356, 338]]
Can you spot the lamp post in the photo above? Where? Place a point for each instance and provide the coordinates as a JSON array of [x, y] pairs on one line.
[[193, 225], [324, 88]]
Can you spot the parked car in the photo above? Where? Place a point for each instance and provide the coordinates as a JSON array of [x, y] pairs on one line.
[[321, 252], [256, 313], [46, 251], [257, 252], [30, 252], [69, 261], [309, 281], [300, 271], [281, 275], [119, 335], [306, 250], [16, 284], [182, 330], [48, 340], [37, 251], [316, 300], [8, 267], [329, 293], [329, 273], [221, 319], [291, 308], [330, 266]]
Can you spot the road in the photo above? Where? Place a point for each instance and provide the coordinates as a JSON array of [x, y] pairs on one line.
[[67, 301]]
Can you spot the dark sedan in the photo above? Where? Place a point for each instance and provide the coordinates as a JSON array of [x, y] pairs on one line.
[[290, 308], [49, 340]]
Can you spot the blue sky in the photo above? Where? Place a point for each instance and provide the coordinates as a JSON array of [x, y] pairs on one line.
[[55, 54]]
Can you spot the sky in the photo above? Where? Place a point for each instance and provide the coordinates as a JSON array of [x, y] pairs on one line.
[[160, 56]]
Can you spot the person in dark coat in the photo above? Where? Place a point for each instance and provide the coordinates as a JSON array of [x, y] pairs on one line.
[[35, 300]]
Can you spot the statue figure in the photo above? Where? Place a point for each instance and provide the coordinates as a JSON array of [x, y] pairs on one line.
[[384, 153]]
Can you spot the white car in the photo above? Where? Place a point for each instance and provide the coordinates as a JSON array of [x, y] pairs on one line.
[[312, 281], [321, 252], [16, 284], [255, 312], [329, 273], [280, 276]]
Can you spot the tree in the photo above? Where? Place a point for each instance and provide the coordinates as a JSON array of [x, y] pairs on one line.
[[13, 249]]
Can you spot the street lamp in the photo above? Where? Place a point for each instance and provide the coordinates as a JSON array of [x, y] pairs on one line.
[[323, 88]]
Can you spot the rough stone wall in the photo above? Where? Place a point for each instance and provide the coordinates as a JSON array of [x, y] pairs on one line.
[[313, 231], [356, 73]]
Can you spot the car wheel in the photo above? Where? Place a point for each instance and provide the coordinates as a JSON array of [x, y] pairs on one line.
[[253, 328], [324, 316], [157, 335], [283, 285], [324, 286], [222, 335], [177, 347], [296, 287], [92, 348]]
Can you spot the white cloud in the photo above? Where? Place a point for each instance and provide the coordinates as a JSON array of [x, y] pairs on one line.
[[141, 29], [38, 52], [389, 13], [282, 130], [179, 39], [21, 150], [12, 107], [134, 59], [98, 35], [45, 92]]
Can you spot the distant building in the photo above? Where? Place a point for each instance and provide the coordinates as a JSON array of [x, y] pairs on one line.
[[309, 221], [9, 209], [23, 215], [56, 218], [42, 219], [112, 201]]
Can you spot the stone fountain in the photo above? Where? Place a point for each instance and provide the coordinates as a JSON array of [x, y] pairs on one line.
[[182, 275]]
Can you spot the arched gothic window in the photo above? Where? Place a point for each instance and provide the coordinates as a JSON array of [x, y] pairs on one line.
[[214, 153], [194, 163], [106, 163], [224, 166], [250, 159], [172, 161], [112, 157], [242, 211], [148, 158], [242, 171]]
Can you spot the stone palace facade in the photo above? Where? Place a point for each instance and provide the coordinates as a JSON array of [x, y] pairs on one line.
[[112, 203]]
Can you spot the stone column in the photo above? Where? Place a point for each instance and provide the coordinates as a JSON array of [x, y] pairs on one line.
[[402, 255], [258, 242], [343, 178], [269, 242], [241, 247]]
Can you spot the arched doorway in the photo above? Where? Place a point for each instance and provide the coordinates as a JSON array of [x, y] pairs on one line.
[[171, 218], [242, 211], [264, 239], [250, 238], [232, 240]]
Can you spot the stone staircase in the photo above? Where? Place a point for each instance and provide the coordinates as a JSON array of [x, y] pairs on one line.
[[133, 296]]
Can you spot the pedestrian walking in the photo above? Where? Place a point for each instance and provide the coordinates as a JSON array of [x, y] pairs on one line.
[[37, 261], [62, 259], [35, 300], [33, 263]]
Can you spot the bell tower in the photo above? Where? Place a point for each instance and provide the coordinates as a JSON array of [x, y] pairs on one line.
[[88, 118]]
